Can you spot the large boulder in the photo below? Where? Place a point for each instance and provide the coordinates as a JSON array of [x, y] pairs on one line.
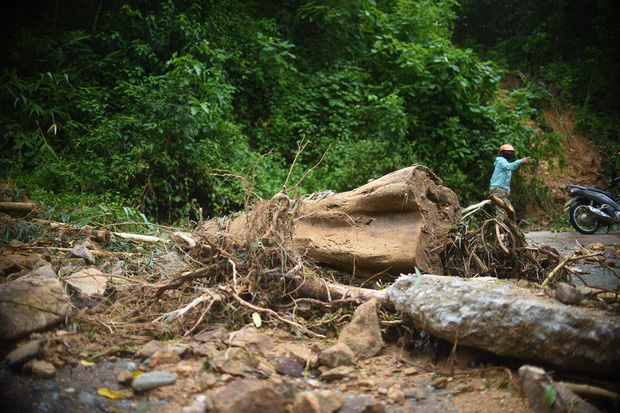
[[31, 303], [501, 318], [390, 225]]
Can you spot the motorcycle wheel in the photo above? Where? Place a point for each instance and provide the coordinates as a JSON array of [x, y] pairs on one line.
[[582, 221]]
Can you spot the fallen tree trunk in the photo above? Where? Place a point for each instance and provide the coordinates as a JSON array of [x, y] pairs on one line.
[[388, 226], [509, 321], [17, 206]]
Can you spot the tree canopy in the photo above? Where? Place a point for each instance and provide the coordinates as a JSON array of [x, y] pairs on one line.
[[177, 104]]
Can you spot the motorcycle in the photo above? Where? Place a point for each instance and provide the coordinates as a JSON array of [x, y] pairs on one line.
[[591, 208]]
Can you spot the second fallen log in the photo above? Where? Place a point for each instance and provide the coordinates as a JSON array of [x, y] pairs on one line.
[[506, 320]]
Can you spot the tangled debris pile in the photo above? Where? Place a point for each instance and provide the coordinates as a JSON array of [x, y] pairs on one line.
[[201, 288]]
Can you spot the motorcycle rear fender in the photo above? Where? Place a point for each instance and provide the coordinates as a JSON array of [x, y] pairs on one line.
[[587, 196]]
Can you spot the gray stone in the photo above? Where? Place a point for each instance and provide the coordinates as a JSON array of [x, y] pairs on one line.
[[153, 379], [81, 251], [23, 353], [31, 304], [287, 366], [44, 271], [568, 294], [500, 318], [362, 404], [88, 282]]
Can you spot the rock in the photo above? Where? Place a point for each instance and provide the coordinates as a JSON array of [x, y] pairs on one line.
[[234, 361], [207, 380], [16, 262], [124, 377], [31, 304], [199, 405], [388, 225], [302, 354], [337, 355], [536, 384], [362, 404], [43, 271], [251, 339], [163, 357], [440, 383], [287, 366], [149, 349], [568, 294], [179, 350], [411, 371], [23, 353], [501, 318], [41, 368], [316, 401], [219, 334], [205, 350], [88, 282], [248, 395], [395, 394], [363, 334], [153, 379], [339, 373], [80, 251], [186, 370]]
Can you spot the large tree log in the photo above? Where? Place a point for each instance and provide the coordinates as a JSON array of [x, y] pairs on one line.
[[504, 319], [390, 225]]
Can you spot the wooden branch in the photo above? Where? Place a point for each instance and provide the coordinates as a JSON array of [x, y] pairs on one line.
[[188, 276], [587, 390], [100, 235], [186, 238], [465, 212], [506, 207], [499, 239], [17, 206], [277, 316], [328, 292], [566, 260], [332, 304], [139, 237]]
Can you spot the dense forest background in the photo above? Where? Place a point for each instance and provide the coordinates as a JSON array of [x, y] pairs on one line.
[[175, 105]]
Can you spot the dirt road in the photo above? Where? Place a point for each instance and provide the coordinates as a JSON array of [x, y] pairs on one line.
[[568, 242]]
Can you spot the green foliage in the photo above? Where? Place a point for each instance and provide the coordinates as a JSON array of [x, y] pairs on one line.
[[167, 104], [604, 131], [551, 395]]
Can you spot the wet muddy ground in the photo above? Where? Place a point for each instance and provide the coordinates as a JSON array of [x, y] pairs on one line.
[[568, 242]]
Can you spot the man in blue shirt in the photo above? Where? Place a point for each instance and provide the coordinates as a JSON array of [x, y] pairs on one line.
[[500, 181]]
